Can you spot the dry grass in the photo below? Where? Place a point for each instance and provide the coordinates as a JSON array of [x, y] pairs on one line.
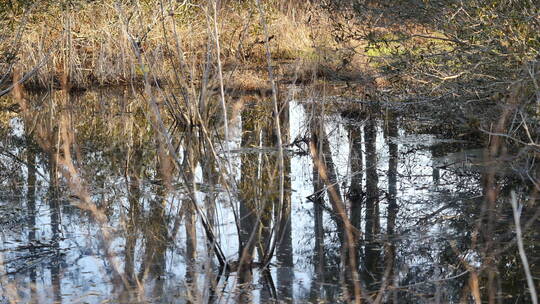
[[91, 44]]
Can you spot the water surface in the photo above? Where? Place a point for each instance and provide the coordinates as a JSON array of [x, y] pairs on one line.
[[172, 205]]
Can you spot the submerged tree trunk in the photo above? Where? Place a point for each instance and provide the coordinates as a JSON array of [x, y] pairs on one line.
[[284, 253], [372, 223], [31, 208], [319, 260], [392, 211], [249, 223], [356, 193]]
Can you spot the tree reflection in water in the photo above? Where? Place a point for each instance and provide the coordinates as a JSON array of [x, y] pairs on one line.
[[374, 210]]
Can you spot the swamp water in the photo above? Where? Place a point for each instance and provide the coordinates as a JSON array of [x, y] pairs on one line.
[[413, 197]]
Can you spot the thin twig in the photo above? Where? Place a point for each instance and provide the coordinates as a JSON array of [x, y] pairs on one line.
[[517, 211]]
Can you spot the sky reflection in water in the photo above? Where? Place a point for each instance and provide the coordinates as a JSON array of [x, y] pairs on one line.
[[53, 251]]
